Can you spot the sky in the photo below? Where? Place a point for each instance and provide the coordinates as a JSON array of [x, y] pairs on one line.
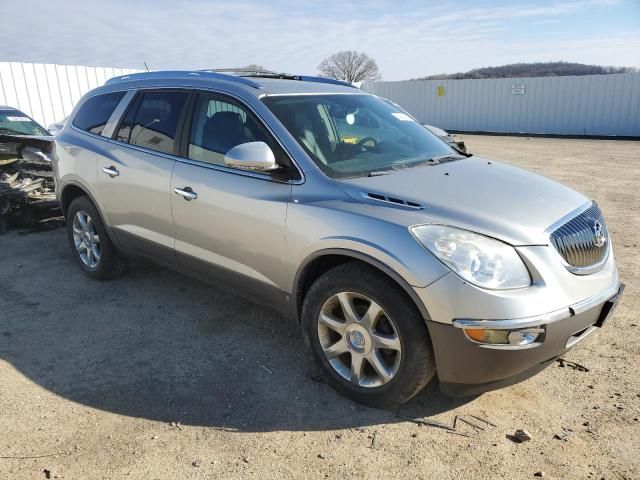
[[408, 39]]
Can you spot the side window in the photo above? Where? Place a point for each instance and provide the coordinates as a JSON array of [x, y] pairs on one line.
[[95, 112], [153, 121], [218, 126]]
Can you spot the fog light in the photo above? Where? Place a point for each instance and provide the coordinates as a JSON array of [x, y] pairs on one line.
[[490, 336], [524, 337]]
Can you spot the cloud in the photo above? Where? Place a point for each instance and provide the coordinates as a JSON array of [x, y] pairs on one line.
[[406, 41]]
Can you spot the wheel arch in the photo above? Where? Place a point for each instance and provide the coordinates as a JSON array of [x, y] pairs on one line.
[[73, 190], [322, 261], [69, 193]]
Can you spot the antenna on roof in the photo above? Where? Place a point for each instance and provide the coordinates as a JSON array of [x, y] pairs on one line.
[[146, 66]]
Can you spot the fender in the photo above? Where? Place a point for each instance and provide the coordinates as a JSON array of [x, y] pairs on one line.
[[364, 258]]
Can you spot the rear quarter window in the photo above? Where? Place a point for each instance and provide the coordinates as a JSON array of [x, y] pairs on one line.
[[95, 112]]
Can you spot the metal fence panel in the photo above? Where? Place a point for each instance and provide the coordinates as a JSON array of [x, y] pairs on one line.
[[48, 92], [578, 105]]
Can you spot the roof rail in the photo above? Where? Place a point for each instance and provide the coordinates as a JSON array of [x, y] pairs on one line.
[[257, 73], [158, 75], [307, 78]]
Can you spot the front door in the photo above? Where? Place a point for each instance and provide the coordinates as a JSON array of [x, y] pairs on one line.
[[229, 225]]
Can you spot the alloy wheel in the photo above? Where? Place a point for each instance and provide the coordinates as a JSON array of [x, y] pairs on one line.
[[86, 239], [359, 339]]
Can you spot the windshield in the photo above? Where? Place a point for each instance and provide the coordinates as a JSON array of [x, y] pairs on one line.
[[15, 122], [357, 135]]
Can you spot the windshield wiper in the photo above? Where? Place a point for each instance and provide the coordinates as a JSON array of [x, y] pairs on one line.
[[447, 158], [439, 160], [377, 173], [403, 166]]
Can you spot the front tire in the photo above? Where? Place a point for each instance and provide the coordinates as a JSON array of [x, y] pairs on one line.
[[90, 244], [367, 336]]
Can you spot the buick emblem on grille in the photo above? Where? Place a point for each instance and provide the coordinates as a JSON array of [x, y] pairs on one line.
[[582, 241], [599, 237]]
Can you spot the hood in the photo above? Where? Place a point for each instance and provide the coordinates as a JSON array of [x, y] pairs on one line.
[[13, 144], [476, 194]]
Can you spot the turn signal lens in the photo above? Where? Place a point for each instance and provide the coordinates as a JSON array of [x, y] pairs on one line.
[[485, 335], [490, 336]]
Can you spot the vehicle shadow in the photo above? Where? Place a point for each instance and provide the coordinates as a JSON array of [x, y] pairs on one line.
[[159, 345]]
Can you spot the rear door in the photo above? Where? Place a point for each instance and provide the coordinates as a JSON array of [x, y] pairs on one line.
[[231, 230], [135, 173]]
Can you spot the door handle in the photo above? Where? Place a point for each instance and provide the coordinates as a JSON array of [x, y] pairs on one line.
[[111, 171], [186, 192]]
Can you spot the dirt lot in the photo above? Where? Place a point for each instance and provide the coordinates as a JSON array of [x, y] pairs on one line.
[[92, 375]]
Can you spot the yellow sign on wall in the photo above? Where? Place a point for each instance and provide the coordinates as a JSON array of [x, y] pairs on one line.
[[440, 91]]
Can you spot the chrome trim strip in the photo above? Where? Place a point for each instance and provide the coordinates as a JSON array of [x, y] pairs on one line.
[[84, 132], [544, 319], [235, 171], [299, 94], [514, 324], [568, 216], [575, 340], [589, 303], [508, 347]]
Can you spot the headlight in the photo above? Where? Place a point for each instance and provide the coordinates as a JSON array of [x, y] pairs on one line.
[[480, 260]]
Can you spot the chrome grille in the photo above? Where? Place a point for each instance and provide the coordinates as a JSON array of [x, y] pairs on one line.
[[583, 241]]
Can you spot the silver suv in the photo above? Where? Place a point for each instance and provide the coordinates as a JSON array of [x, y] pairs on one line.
[[399, 256]]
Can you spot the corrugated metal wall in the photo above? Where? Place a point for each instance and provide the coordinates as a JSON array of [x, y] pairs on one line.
[[48, 92], [584, 105], [581, 105]]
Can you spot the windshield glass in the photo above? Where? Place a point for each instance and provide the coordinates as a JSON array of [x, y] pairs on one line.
[[14, 122], [357, 135]]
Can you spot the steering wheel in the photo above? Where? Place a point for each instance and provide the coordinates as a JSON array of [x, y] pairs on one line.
[[361, 144]]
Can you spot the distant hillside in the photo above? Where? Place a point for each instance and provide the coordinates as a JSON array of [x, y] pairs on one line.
[[540, 69]]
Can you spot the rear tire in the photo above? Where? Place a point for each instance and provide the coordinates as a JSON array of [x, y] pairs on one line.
[[378, 353], [90, 244]]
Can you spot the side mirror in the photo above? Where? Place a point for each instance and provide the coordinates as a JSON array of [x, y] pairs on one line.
[[256, 156]]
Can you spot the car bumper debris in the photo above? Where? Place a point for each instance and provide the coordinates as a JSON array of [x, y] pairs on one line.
[[27, 189]]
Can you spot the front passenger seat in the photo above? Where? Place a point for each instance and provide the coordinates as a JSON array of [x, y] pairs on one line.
[[222, 132], [304, 132]]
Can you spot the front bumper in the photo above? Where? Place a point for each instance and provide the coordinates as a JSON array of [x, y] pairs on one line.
[[468, 368]]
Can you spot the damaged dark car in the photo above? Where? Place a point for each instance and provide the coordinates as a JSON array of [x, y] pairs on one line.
[[27, 190]]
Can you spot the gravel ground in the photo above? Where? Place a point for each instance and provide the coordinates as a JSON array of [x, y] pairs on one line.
[[156, 375]]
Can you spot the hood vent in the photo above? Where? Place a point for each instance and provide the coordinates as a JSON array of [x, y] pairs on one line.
[[392, 200]]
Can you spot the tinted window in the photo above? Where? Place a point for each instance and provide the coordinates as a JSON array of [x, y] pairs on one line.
[[218, 126], [95, 112], [155, 121]]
